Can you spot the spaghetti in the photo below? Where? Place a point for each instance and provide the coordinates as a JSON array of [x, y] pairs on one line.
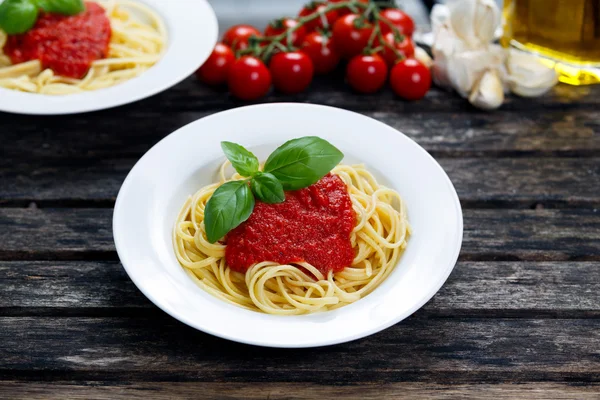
[[379, 238], [134, 47]]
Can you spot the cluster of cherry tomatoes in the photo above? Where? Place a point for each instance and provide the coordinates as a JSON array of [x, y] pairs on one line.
[[376, 43]]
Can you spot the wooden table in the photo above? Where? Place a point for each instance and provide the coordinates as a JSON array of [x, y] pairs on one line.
[[518, 318]]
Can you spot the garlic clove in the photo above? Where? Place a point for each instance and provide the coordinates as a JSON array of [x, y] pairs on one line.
[[474, 21], [422, 56], [527, 76], [445, 44], [460, 75], [465, 69], [461, 18], [446, 41], [488, 93], [486, 21], [500, 55]]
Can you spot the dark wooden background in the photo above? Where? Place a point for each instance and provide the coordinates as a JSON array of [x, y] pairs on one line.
[[518, 318]]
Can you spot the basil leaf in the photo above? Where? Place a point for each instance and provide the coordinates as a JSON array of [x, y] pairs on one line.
[[301, 162], [267, 188], [17, 16], [244, 162], [65, 7], [230, 205]]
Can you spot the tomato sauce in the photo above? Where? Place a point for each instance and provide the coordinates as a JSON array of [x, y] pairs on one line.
[[66, 44], [312, 224]]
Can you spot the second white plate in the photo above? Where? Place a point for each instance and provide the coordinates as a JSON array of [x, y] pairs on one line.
[[192, 33]]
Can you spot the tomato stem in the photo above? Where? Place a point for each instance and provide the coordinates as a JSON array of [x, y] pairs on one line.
[[259, 49], [376, 33]]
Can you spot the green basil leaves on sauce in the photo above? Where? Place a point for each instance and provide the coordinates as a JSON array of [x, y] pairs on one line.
[[230, 205], [244, 162], [267, 188], [294, 165], [301, 162], [19, 16], [65, 7]]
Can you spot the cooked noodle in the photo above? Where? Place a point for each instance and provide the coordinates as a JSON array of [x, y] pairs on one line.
[[134, 47], [379, 238]]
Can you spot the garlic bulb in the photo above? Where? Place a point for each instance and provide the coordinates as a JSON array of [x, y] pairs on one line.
[[465, 59], [528, 77], [488, 93]]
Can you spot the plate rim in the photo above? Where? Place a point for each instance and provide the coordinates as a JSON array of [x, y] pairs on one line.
[[442, 278]]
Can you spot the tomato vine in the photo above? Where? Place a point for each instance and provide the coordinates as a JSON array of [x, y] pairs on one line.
[[264, 47]]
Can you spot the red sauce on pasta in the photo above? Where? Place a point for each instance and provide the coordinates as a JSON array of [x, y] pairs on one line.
[[312, 225], [66, 44]]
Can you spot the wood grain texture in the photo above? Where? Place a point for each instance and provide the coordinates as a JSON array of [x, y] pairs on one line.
[[418, 349], [536, 235], [294, 391], [475, 289], [332, 90], [480, 182], [131, 130]]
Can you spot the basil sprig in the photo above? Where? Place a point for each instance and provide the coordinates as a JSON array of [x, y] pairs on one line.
[[19, 16], [294, 165]]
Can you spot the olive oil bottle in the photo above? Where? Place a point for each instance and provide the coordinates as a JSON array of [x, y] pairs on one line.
[[565, 33]]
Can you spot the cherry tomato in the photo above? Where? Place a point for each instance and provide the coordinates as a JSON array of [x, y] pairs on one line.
[[321, 51], [214, 70], [281, 25], [366, 74], [237, 36], [249, 78], [345, 11], [410, 79], [351, 35], [292, 71], [399, 19], [405, 48], [319, 7]]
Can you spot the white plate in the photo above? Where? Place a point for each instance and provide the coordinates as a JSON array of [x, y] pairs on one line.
[[186, 160], [192, 33]]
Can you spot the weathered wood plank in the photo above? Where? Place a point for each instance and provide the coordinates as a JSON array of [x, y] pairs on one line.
[[489, 289], [62, 232], [531, 235], [564, 289], [295, 391], [332, 90], [524, 181], [516, 182], [73, 286], [437, 350], [129, 133], [536, 235]]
